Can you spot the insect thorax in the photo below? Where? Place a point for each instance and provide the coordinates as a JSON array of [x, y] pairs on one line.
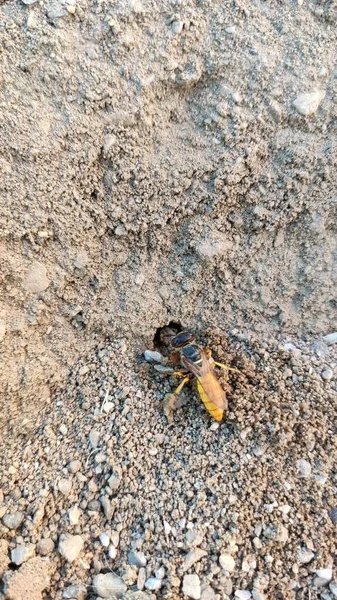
[[191, 352]]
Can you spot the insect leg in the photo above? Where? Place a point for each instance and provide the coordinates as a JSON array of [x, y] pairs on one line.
[[226, 368], [181, 385]]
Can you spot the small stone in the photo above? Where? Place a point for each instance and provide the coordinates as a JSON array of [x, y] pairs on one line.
[[4, 557], [108, 407], [153, 584], [152, 356], [333, 588], [227, 562], [13, 520], [333, 515], [207, 593], [104, 539], [167, 528], [36, 279], [191, 586], [94, 438], [107, 507], [242, 594], [28, 582], [331, 338], [109, 141], [74, 514], [70, 547], [320, 349], [108, 584], [177, 26], [323, 577], [192, 557], [303, 468], [75, 592], [3, 327], [141, 578], [81, 259], [307, 104], [22, 553], [112, 552], [63, 429], [231, 29], [74, 466], [138, 559], [94, 506], [304, 556], [160, 573], [257, 595], [45, 546], [64, 486], [114, 482], [83, 371], [214, 426], [327, 374]]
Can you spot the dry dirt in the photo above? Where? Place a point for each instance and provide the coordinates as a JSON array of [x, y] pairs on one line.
[[168, 161]]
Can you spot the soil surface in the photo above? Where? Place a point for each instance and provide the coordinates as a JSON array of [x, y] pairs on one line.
[[167, 161]]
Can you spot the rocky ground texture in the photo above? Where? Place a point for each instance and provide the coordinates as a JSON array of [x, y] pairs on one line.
[[106, 498], [167, 161]]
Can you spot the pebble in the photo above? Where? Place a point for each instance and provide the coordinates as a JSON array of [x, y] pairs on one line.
[[64, 485], [160, 573], [104, 539], [94, 438], [327, 374], [112, 552], [63, 429], [13, 520], [304, 556], [323, 577], [152, 356], [227, 562], [333, 588], [74, 514], [75, 592], [331, 338], [177, 26], [114, 482], [108, 584], [81, 259], [74, 466], [192, 557], [191, 586], [258, 595], [153, 584], [3, 328], [320, 349], [107, 507], [138, 559], [242, 594], [70, 546], [29, 2], [333, 514], [22, 553], [167, 528], [36, 279], [307, 104], [45, 546], [141, 578], [303, 468]]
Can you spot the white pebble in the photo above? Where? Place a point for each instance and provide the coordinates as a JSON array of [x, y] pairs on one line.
[[70, 547], [104, 539], [152, 356], [242, 594], [304, 556], [258, 595], [167, 528], [331, 338], [323, 577], [112, 552], [214, 426], [63, 429], [74, 514], [22, 553], [191, 586], [153, 584], [227, 562], [108, 407], [303, 468], [327, 374], [333, 589], [64, 485], [307, 104]]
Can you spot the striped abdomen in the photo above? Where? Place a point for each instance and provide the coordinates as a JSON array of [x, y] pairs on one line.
[[212, 395]]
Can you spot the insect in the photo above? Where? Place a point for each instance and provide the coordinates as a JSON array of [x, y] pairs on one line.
[[193, 362]]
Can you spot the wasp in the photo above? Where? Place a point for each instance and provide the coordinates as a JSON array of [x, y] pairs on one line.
[[193, 362]]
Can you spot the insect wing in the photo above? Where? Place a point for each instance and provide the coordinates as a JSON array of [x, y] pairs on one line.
[[212, 389]]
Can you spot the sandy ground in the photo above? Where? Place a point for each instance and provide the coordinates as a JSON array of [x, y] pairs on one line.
[[167, 161]]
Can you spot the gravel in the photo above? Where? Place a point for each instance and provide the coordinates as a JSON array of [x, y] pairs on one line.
[[108, 585], [70, 547], [191, 586]]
